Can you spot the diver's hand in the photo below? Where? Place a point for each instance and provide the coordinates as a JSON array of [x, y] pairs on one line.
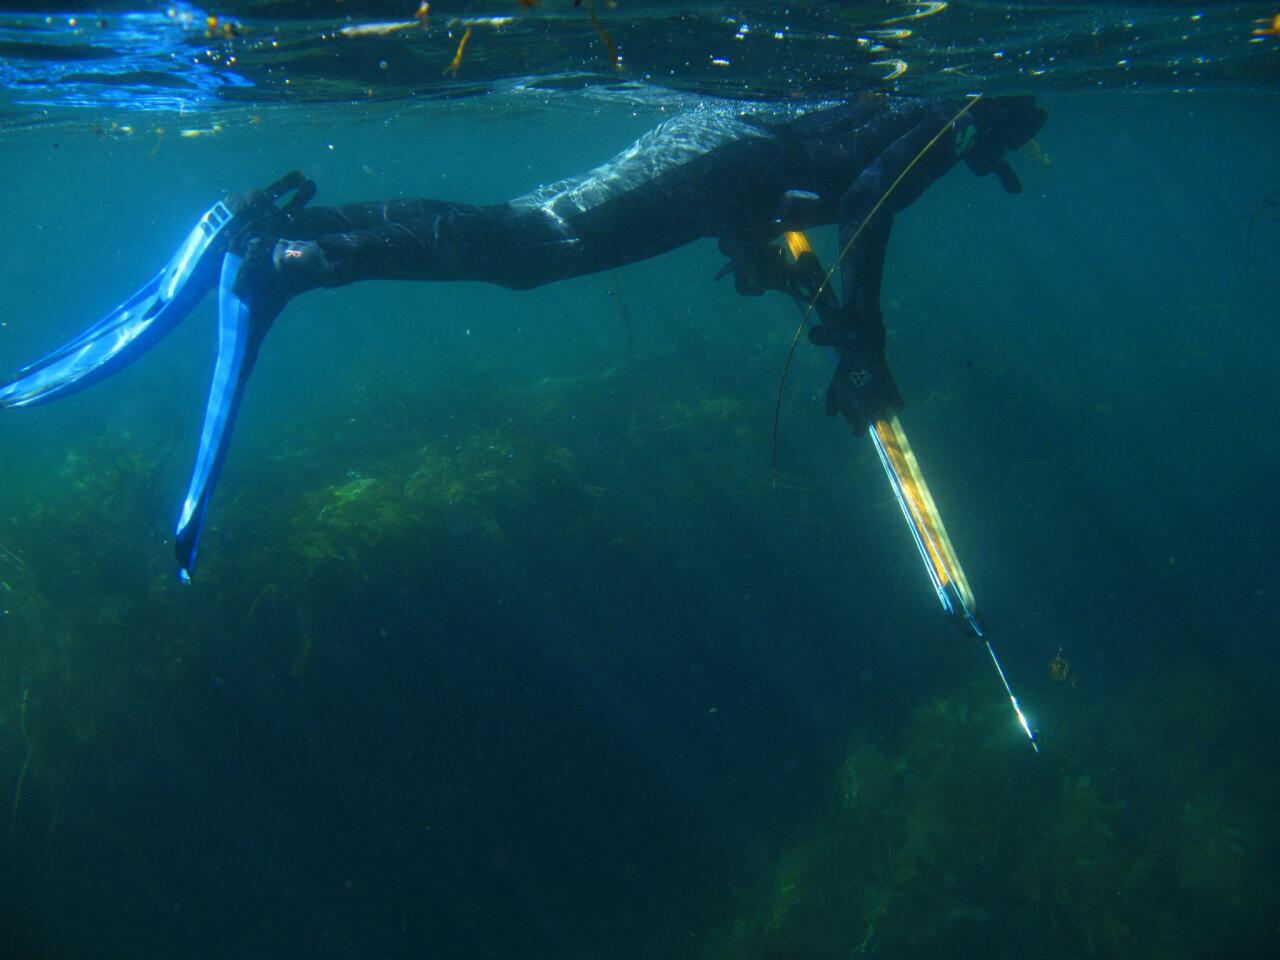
[[862, 389], [756, 267]]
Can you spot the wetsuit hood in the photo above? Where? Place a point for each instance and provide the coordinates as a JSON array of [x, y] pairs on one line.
[[1004, 123]]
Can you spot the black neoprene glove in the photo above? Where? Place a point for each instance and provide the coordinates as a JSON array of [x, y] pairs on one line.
[[757, 267], [862, 389], [863, 392]]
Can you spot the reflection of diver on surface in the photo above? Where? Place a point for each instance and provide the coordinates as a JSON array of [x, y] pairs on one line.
[[742, 179]]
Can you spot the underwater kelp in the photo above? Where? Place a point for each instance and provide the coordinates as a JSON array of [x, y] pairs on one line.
[[449, 537], [416, 490], [957, 842], [98, 656], [934, 839]]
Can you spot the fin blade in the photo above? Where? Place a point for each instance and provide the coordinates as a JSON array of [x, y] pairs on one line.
[[132, 328], [238, 342], [112, 343]]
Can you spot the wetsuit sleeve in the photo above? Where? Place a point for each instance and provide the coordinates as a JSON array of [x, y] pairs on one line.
[[863, 266], [862, 388]]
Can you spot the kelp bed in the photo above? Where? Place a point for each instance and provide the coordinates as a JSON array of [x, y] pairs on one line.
[[1145, 831], [1142, 834]]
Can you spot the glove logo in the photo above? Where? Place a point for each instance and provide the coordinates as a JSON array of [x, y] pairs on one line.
[[860, 378]]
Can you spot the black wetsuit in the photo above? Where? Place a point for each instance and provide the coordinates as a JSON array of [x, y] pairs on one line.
[[739, 177]]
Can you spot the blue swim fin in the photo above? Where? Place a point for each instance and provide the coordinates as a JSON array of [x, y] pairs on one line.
[[141, 321], [240, 334], [135, 326]]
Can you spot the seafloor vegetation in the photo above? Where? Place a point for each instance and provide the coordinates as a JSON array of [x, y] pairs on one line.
[[409, 493], [1141, 835], [1143, 832]]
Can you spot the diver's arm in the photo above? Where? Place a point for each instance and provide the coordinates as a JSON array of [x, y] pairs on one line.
[[862, 388], [888, 185]]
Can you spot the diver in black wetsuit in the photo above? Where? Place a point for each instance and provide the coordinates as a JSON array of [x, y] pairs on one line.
[[742, 178]]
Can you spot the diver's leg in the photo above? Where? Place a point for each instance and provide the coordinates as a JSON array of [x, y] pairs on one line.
[[426, 240], [437, 240], [677, 184]]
